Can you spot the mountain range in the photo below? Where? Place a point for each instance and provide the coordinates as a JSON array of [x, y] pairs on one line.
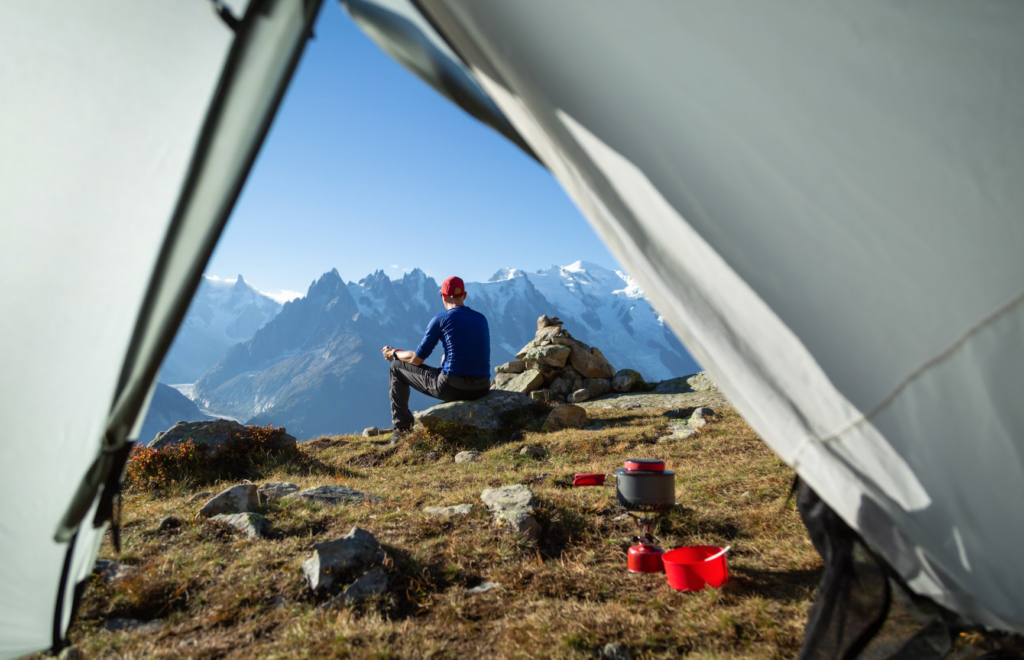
[[168, 407], [222, 314], [315, 367]]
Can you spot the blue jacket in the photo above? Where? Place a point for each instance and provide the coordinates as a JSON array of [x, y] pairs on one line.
[[467, 342]]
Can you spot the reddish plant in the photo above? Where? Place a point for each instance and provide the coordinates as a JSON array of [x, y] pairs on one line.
[[243, 456]]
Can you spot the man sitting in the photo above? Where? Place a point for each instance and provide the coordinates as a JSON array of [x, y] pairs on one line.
[[465, 372]]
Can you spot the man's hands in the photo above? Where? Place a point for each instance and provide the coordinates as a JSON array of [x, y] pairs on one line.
[[390, 354]]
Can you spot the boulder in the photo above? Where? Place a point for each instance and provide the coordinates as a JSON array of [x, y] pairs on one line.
[[551, 355], [513, 507], [579, 396], [110, 570], [627, 380], [701, 416], [500, 380], [563, 339], [678, 429], [484, 587], [371, 431], [603, 362], [597, 386], [467, 457], [566, 416], [546, 396], [509, 498], [275, 490], [699, 382], [333, 495], [169, 523], [615, 651], [566, 382], [237, 499], [548, 333], [213, 433], [532, 451], [251, 525], [549, 374], [561, 386], [513, 367], [485, 414], [448, 511], [544, 321], [524, 383], [373, 582], [526, 349], [589, 362], [133, 625], [333, 560], [702, 413]]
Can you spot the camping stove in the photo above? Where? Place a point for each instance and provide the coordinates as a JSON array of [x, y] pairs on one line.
[[644, 557], [644, 487]]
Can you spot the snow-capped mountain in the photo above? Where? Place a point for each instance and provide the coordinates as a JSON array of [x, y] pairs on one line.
[[316, 367], [602, 307], [222, 314]]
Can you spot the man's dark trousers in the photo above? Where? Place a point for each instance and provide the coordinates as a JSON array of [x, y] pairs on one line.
[[429, 381]]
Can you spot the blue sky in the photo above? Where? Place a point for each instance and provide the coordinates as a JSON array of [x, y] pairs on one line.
[[368, 168]]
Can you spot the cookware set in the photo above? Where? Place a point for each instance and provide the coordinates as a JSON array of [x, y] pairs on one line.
[[643, 486]]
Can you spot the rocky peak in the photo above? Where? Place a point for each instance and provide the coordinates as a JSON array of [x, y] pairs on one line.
[[414, 275], [328, 284], [378, 285], [241, 292]]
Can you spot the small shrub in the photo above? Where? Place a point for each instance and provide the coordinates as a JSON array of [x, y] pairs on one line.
[[150, 469], [245, 456]]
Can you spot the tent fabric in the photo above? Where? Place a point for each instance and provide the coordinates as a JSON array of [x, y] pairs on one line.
[[401, 31], [826, 204], [128, 130]]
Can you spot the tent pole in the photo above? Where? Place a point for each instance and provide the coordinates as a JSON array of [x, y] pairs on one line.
[[58, 615]]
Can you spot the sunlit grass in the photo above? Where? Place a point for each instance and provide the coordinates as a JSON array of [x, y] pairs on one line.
[[563, 597]]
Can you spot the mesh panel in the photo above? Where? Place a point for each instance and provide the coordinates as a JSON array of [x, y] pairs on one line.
[[863, 610]]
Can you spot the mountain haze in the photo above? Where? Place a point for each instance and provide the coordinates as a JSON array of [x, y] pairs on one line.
[[167, 407], [222, 314], [316, 367]]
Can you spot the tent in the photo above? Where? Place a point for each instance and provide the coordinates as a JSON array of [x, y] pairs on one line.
[[128, 129], [824, 201]]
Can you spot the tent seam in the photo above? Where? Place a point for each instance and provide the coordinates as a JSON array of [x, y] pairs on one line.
[[940, 357]]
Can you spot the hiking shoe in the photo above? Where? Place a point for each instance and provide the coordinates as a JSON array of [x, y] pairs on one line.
[[398, 435]]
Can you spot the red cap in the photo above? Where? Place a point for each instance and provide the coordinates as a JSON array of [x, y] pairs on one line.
[[453, 287]]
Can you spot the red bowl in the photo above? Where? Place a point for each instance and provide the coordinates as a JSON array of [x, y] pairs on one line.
[[687, 570]]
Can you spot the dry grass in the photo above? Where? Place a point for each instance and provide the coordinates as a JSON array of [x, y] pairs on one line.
[[221, 596]]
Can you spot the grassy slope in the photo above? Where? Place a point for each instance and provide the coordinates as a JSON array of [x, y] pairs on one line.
[[223, 596]]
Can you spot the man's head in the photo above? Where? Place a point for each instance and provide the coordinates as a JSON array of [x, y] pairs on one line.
[[453, 290]]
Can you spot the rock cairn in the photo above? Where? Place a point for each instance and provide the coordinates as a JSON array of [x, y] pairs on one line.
[[555, 367]]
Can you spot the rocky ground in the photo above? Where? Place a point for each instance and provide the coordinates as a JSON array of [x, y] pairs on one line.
[[456, 544]]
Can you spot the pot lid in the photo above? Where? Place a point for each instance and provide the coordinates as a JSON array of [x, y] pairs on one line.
[[645, 464]]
